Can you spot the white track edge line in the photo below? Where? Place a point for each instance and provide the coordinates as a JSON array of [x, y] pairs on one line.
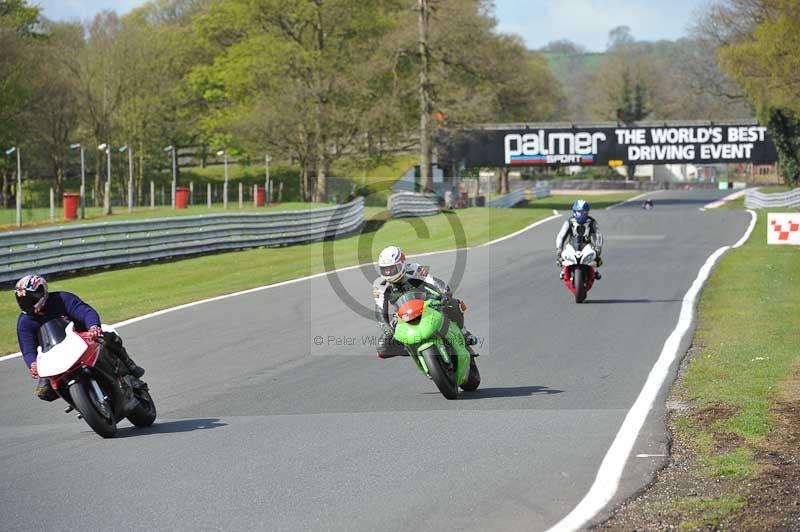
[[299, 279], [753, 220], [608, 476], [720, 202]]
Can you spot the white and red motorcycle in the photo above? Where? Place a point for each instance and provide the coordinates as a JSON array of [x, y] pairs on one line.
[[92, 379], [578, 260]]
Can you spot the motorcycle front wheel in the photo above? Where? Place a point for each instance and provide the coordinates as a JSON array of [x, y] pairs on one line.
[[442, 374], [97, 413], [579, 282]]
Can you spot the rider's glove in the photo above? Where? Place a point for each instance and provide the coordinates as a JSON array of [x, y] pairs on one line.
[[94, 333], [34, 371]]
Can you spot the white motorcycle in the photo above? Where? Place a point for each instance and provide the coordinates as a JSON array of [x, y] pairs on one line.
[[92, 379], [579, 265]]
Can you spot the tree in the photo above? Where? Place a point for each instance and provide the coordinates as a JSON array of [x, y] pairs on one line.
[[18, 33], [763, 56], [563, 46], [157, 47], [625, 78], [99, 85], [619, 37], [309, 54], [52, 115]]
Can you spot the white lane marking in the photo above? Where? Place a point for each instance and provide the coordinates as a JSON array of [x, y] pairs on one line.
[[640, 196], [753, 220], [607, 480], [650, 455], [292, 281], [721, 202]]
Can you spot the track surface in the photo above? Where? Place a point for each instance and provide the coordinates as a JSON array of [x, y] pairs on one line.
[[261, 429]]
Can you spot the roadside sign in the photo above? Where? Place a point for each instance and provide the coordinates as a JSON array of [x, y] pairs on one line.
[[783, 228]]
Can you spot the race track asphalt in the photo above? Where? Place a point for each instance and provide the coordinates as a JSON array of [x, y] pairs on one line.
[[260, 428]]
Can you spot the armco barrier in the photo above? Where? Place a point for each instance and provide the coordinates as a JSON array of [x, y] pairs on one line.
[[404, 204], [83, 247], [757, 200], [507, 201], [525, 192]]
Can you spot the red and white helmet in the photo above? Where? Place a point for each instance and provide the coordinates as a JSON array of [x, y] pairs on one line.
[[392, 264], [31, 293]]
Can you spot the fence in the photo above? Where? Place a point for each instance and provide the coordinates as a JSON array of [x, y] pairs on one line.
[[507, 201], [91, 246], [757, 200], [540, 190], [413, 204], [36, 205]]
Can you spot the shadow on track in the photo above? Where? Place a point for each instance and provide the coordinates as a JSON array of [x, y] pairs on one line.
[[609, 301], [168, 427], [514, 391]]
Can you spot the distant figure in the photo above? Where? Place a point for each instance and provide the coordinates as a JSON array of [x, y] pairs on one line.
[[648, 204]]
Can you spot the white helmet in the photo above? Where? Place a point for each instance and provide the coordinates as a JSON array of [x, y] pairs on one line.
[[392, 264]]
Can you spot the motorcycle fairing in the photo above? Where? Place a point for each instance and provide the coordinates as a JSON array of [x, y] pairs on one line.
[[61, 357]]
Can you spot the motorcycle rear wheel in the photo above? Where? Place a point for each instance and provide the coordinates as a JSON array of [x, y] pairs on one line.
[[579, 282], [443, 375], [105, 426], [144, 414]]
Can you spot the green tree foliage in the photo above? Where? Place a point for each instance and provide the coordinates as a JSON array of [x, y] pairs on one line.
[[18, 34], [625, 78], [52, 114], [303, 76], [765, 59]]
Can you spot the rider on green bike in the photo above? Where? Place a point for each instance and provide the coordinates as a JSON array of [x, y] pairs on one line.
[[398, 277]]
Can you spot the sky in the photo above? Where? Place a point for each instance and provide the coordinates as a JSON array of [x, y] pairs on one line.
[[538, 22], [587, 22]]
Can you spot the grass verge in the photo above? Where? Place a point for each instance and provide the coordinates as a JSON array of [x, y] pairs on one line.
[[747, 329], [747, 337], [734, 423]]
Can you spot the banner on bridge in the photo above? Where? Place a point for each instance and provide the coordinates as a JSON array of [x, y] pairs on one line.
[[615, 146]]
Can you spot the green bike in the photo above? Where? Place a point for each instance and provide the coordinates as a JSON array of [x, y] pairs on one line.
[[435, 343]]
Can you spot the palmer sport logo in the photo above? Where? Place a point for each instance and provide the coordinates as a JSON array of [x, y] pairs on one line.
[[543, 149]]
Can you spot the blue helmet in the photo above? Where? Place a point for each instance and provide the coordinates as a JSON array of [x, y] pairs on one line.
[[580, 210]]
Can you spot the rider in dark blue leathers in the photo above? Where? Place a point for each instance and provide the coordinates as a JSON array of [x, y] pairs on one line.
[[40, 306]]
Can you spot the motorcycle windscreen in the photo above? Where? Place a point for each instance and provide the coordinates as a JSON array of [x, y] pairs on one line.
[[62, 356], [52, 333], [404, 307]]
